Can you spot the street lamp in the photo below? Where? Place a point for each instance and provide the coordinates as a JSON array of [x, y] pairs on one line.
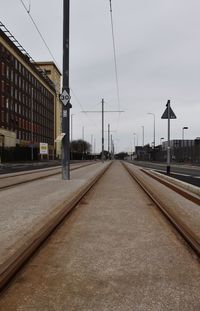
[[142, 135], [184, 128], [135, 134], [154, 128]]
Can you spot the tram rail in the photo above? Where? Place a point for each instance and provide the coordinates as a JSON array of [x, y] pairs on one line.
[[186, 232], [30, 176]]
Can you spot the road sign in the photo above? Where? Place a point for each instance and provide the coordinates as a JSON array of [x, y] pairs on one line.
[[43, 148], [60, 137], [171, 113], [64, 97]]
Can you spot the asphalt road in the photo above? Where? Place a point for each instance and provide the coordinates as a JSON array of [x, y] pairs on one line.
[[186, 173]]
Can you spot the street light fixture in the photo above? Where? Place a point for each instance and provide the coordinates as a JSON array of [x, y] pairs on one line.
[[184, 128], [154, 129]]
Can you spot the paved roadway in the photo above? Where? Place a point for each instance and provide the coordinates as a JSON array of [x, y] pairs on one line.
[[186, 173]]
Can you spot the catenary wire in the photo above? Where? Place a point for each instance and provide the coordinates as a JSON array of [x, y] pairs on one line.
[[114, 54], [115, 64], [39, 32]]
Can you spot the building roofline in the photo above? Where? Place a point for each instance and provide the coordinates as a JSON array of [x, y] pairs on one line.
[[49, 63], [22, 53]]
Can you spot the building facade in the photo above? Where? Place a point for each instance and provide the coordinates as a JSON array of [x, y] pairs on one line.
[[54, 74], [27, 98]]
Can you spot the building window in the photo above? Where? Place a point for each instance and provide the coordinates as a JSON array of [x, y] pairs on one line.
[[11, 75], [7, 72], [2, 100], [2, 86], [7, 103], [2, 68]]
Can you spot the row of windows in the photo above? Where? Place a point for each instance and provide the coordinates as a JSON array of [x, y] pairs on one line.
[[22, 83], [41, 107], [39, 112], [19, 122], [22, 124]]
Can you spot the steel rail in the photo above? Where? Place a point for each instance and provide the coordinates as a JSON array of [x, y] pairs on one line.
[[177, 189], [188, 235], [38, 177], [35, 170], [21, 256]]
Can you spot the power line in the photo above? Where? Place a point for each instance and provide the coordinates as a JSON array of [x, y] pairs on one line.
[[41, 36], [115, 58]]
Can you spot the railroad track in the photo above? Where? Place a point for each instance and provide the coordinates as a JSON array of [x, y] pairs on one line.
[[186, 232], [98, 252], [15, 179], [9, 268]]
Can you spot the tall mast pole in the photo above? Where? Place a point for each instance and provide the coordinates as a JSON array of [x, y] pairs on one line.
[[102, 155], [65, 96]]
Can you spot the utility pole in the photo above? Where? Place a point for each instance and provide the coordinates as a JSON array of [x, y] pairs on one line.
[[91, 143], [32, 124], [142, 135], [102, 154], [65, 96], [83, 130], [102, 113], [95, 148], [109, 140]]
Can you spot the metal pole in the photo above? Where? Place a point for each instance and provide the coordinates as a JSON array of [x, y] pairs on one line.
[[109, 140], [91, 142], [66, 108], [111, 149], [142, 135], [32, 126], [95, 148], [154, 131], [183, 133], [102, 155], [83, 133], [168, 143], [72, 126]]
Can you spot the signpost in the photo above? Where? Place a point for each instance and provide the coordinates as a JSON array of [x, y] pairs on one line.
[[168, 114], [65, 96]]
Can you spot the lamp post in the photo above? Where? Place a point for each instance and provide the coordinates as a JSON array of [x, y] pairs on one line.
[[154, 128], [184, 128], [134, 135], [142, 135]]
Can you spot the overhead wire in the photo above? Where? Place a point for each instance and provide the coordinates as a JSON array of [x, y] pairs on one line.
[[39, 32], [115, 62], [114, 54], [44, 41]]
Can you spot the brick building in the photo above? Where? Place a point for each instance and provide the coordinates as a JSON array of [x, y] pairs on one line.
[[27, 98]]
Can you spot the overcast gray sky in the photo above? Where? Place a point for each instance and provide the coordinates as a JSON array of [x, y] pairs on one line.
[[158, 57]]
